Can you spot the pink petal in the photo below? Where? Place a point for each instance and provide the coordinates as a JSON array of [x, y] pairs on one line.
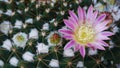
[[69, 45], [69, 37], [84, 14], [65, 31], [104, 23], [76, 47], [107, 33], [100, 19], [101, 27], [68, 24], [82, 51], [95, 14], [73, 21], [90, 13], [80, 13], [91, 46], [73, 15], [98, 46], [103, 43], [101, 37]]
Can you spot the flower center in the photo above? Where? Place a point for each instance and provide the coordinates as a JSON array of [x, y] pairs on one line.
[[20, 38], [84, 34]]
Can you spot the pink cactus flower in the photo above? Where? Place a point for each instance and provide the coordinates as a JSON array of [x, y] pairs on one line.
[[86, 30]]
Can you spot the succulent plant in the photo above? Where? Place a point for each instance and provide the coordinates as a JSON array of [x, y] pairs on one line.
[[30, 37]]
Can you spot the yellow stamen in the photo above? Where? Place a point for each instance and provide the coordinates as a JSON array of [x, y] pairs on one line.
[[84, 34], [20, 38]]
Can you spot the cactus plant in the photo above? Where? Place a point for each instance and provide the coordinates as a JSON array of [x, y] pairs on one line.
[[30, 37]]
